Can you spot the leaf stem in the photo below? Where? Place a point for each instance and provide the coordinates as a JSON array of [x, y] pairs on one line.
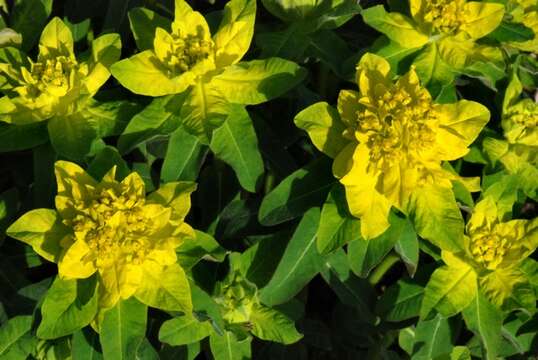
[[382, 268]]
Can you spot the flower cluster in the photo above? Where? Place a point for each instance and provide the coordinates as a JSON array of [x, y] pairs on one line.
[[57, 83], [112, 229], [393, 141]]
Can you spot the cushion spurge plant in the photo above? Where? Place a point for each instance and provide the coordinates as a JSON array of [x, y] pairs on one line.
[[445, 32], [112, 229], [518, 152], [181, 57], [57, 83], [388, 141], [490, 263]]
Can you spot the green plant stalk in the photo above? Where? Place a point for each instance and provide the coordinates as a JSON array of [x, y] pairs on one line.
[[385, 265]]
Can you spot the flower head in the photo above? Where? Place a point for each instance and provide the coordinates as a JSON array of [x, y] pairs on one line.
[[394, 138], [237, 296], [186, 51], [183, 50], [111, 228], [443, 16], [451, 17], [442, 31], [493, 243], [57, 83], [490, 263]]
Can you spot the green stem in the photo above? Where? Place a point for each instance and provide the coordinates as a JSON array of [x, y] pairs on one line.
[[269, 182], [382, 268]]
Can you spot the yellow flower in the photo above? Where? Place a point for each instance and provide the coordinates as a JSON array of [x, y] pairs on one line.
[[112, 229], [519, 153], [520, 116], [450, 17], [489, 264], [179, 58], [445, 34], [393, 140], [57, 83]]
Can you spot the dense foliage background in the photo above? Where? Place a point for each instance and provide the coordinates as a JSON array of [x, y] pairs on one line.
[[262, 188]]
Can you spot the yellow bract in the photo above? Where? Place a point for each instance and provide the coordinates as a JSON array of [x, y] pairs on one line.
[[397, 137]]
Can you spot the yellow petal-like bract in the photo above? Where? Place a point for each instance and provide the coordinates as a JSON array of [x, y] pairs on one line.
[[397, 138]]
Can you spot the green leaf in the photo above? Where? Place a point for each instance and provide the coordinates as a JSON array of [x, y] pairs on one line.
[[432, 70], [79, 29], [86, 346], [204, 305], [259, 267], [22, 137], [184, 330], [229, 347], [123, 329], [159, 117], [511, 31], [144, 74], [170, 291], [441, 224], [299, 264], [13, 337], [400, 301], [396, 26], [336, 227], [143, 23], [29, 17], [485, 320], [324, 127], [433, 338], [406, 339], [205, 247], [42, 229], [450, 290], [408, 249], [235, 143], [364, 255], [393, 52], [204, 110], [350, 289], [273, 325], [330, 49], [72, 135], [105, 160], [289, 43], [258, 81], [111, 117], [234, 35], [460, 353], [184, 157], [303, 189], [69, 305]]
